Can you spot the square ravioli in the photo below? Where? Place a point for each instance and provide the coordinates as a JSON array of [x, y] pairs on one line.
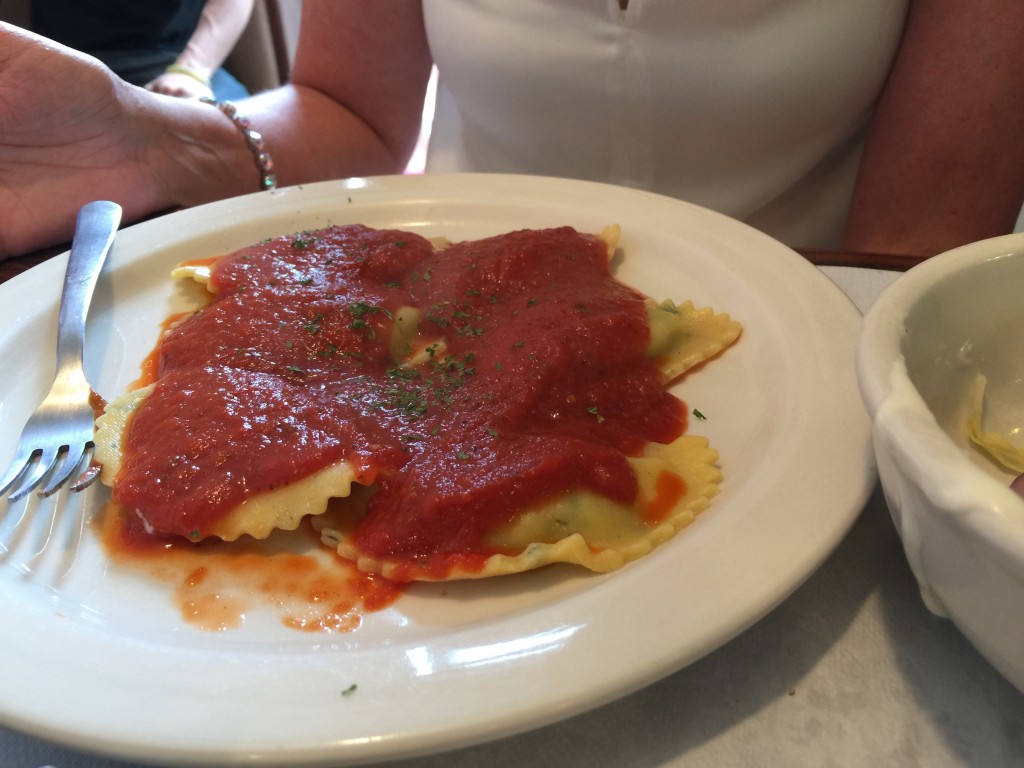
[[442, 410]]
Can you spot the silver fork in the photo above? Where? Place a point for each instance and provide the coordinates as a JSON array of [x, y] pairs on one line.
[[58, 437]]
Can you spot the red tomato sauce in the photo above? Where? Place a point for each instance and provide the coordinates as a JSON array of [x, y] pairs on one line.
[[542, 386], [218, 585]]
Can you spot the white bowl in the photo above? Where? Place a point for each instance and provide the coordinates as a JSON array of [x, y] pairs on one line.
[[923, 343]]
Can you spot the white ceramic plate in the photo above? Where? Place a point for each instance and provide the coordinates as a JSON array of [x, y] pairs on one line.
[[100, 660]]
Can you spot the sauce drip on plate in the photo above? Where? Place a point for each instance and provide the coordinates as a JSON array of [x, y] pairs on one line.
[[217, 585]]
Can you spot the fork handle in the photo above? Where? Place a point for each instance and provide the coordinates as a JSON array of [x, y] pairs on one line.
[[94, 234]]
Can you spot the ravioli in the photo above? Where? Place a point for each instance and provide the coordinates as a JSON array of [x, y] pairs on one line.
[[441, 411], [677, 482]]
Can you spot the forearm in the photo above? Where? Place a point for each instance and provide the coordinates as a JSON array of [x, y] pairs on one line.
[[203, 156], [220, 25], [944, 161], [356, 100], [311, 137], [70, 131], [323, 125]]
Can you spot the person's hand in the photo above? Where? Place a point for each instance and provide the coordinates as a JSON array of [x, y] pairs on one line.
[[70, 132], [180, 85]]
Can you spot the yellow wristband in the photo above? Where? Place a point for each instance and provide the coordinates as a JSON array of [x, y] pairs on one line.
[[180, 70]]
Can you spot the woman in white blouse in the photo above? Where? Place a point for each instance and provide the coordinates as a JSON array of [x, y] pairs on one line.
[[880, 125]]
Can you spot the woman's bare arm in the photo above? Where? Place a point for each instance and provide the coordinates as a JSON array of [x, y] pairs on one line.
[[221, 24], [71, 132], [356, 99], [944, 161]]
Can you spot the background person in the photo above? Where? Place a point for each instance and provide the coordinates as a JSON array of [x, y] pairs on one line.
[[175, 47]]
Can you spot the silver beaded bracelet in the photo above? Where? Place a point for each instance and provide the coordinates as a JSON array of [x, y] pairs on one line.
[[253, 139]]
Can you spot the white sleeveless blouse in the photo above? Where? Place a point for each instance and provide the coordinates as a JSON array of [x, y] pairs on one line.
[[755, 108]]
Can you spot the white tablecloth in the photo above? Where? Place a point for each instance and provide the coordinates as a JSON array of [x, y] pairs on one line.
[[851, 670]]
